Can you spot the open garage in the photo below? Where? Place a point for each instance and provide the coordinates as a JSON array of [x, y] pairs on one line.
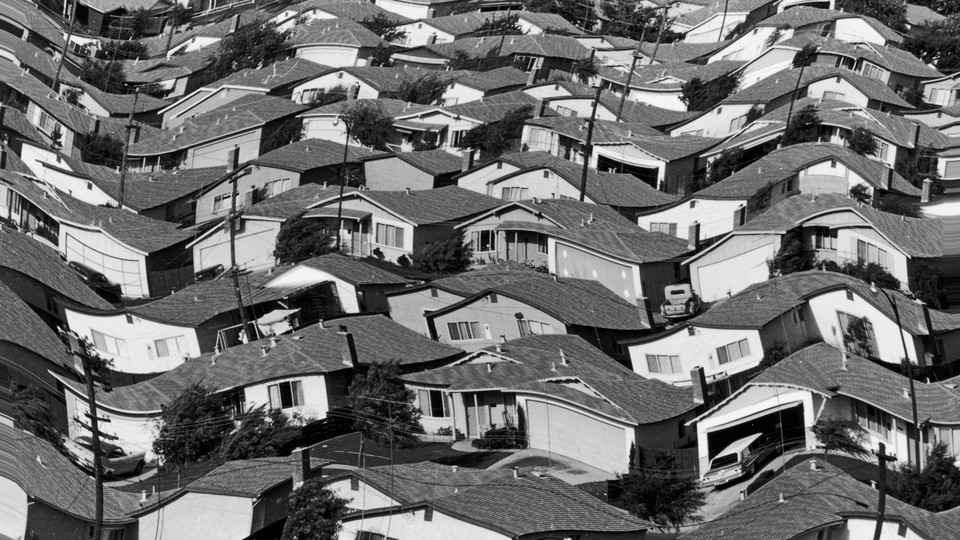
[[789, 418]]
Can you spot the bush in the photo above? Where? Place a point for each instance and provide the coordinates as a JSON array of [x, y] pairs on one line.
[[448, 256], [506, 437], [760, 481]]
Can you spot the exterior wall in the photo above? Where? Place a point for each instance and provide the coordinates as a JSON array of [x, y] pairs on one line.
[[254, 246], [850, 93], [139, 336], [201, 102], [431, 424], [13, 510], [631, 155], [259, 176], [67, 137], [332, 55], [865, 528], [394, 174], [328, 81], [419, 33], [327, 128], [201, 515], [136, 431], [946, 97], [194, 44], [715, 217], [477, 179], [408, 309], [749, 46], [511, 245], [695, 350], [407, 9], [35, 157], [74, 242], [304, 276], [366, 497], [411, 525], [737, 263], [315, 405], [23, 367], [541, 183], [457, 93], [452, 125], [44, 521], [620, 277], [710, 31], [715, 122], [666, 99], [773, 61], [215, 154], [497, 319], [856, 29], [369, 227], [824, 177]]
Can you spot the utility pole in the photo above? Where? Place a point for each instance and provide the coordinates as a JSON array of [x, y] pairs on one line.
[[588, 147], [126, 149], [633, 66], [723, 21], [503, 32], [663, 22], [231, 222], [63, 52], [882, 459], [343, 183]]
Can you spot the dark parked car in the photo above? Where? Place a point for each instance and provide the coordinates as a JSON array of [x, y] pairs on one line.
[[111, 292]]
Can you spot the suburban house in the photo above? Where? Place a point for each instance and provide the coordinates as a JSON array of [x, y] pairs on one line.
[[306, 372], [313, 10], [171, 77], [325, 123], [309, 161], [194, 37], [277, 79], [833, 228], [145, 256], [112, 17], [363, 82], [661, 85], [393, 224], [334, 43], [413, 170], [237, 132], [678, 51], [570, 398], [145, 108], [717, 21], [724, 346], [476, 86], [428, 9], [821, 381], [428, 31], [942, 91]]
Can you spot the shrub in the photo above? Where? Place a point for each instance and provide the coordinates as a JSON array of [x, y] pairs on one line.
[[499, 438], [760, 481]]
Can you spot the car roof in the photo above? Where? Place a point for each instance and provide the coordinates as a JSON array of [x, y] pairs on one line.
[[737, 446]]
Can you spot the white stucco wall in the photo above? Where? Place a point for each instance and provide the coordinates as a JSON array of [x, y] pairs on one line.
[[36, 157], [419, 33], [856, 29], [366, 497], [329, 81], [476, 180], [715, 122], [734, 265], [13, 509], [136, 431], [254, 246], [456, 94], [315, 404], [699, 349], [714, 216], [331, 55], [75, 243], [200, 516], [411, 525]]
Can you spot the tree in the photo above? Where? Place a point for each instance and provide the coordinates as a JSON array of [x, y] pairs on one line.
[[369, 125], [904, 206], [926, 282], [383, 55], [253, 45], [105, 75], [585, 70], [773, 354], [662, 495], [383, 406], [329, 96], [31, 413], [935, 487], [861, 194], [387, 28], [840, 435], [448, 256], [892, 13], [286, 133], [496, 138], [257, 435], [178, 16], [101, 148], [728, 162], [698, 95], [858, 336], [192, 427], [463, 61], [753, 114], [426, 90], [500, 26], [792, 256], [933, 44], [803, 127], [625, 19], [300, 239], [916, 165], [128, 49], [862, 141], [139, 21], [314, 513], [804, 58]]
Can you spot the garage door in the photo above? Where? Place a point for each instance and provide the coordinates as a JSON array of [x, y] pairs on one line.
[[578, 436], [788, 421], [126, 272]]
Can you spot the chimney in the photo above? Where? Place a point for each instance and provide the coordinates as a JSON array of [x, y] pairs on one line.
[[541, 108], [454, 468], [467, 162], [499, 348], [693, 236], [813, 465], [925, 191], [233, 159], [273, 339], [699, 380], [739, 217], [236, 23], [906, 393], [563, 358], [844, 360], [348, 349], [250, 197], [516, 472], [301, 466], [489, 367], [263, 350], [408, 191]]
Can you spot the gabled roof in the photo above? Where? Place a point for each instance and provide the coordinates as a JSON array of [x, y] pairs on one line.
[[277, 75], [474, 281], [316, 349], [488, 110], [668, 148], [353, 270], [389, 107], [433, 162], [309, 154], [120, 104], [294, 201], [786, 162], [784, 82], [552, 23], [411, 483], [671, 76], [42, 95], [891, 58], [680, 51], [424, 207], [918, 15], [637, 247], [549, 46], [495, 79], [16, 122], [459, 24], [566, 214], [164, 69], [697, 17], [353, 11], [250, 478], [390, 79], [801, 16], [333, 32], [20, 325], [609, 132], [603, 130]]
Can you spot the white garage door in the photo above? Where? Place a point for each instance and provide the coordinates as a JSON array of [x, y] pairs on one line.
[[126, 272], [13, 510], [578, 436]]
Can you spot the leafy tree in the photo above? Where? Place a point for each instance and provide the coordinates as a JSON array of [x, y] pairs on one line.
[[448, 256], [101, 148], [698, 95], [625, 19], [383, 406], [127, 49], [253, 45], [178, 16], [728, 162], [191, 427], [861, 194], [256, 436], [903, 206], [104, 75], [859, 336], [463, 61], [385, 27], [300, 239], [500, 26], [369, 125], [314, 513], [426, 90], [138, 22], [926, 282], [753, 114], [577, 13], [383, 55], [804, 58], [892, 13], [935, 487], [943, 7], [585, 70], [934, 43], [869, 272], [330, 96], [288, 132], [862, 141], [496, 138], [916, 165], [32, 413], [792, 256], [662, 495], [773, 354], [840, 435], [803, 127]]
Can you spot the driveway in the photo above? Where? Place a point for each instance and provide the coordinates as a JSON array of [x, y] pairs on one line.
[[569, 470]]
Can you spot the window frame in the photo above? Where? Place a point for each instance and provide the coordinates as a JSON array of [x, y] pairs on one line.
[[475, 330]]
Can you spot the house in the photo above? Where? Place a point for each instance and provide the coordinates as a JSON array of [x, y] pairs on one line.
[[413, 170], [145, 108], [306, 373], [428, 9], [572, 400], [449, 28], [821, 381], [552, 180], [171, 77], [363, 82], [567, 98], [237, 132], [199, 35], [678, 51], [730, 339], [393, 224], [27, 22], [145, 256], [661, 85], [941, 91], [278, 79], [310, 161], [320, 10], [718, 21], [920, 16], [45, 495], [833, 228], [107, 17], [334, 43], [480, 85], [324, 122]]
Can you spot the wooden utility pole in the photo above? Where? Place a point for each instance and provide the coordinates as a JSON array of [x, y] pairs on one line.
[[588, 146], [633, 66], [343, 184], [663, 22], [503, 32], [63, 52], [232, 223], [882, 459], [126, 149]]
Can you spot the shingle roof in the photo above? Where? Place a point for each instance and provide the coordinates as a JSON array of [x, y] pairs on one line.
[[495, 79], [411, 483], [309, 154], [277, 75], [389, 107], [784, 82], [550, 22], [785, 162], [119, 104], [163, 69], [494, 108], [433, 162], [158, 44], [573, 214], [250, 477], [917, 237], [666, 147], [390, 79], [805, 16], [549, 46], [423, 207], [639, 113], [354, 11], [921, 15], [603, 130], [696, 17], [28, 257], [460, 23], [333, 32], [474, 281], [680, 51], [649, 77], [319, 349], [20, 325], [70, 116], [894, 59], [639, 247], [353, 270], [16, 121], [294, 201]]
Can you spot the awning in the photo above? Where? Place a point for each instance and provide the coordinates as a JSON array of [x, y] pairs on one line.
[[760, 414], [331, 212], [276, 316], [277, 322]]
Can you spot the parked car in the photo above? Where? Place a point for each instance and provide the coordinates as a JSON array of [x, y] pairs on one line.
[[680, 302], [111, 292], [116, 460], [740, 459], [208, 273]]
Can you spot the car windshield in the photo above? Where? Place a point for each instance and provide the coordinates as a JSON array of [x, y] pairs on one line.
[[676, 292], [720, 462]]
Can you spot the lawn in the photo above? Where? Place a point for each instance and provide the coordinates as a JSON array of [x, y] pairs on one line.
[[344, 450]]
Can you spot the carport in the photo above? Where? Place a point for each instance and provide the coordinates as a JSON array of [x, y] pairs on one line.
[[788, 417]]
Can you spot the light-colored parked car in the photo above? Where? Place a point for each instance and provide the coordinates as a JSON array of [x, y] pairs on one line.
[[680, 301], [740, 459], [116, 460]]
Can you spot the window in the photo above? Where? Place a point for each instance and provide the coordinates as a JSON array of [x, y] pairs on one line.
[[952, 169], [286, 394], [565, 111], [234, 402], [797, 315], [524, 63], [666, 228], [824, 238], [733, 352], [47, 124], [365, 535], [869, 253], [664, 364], [456, 136], [844, 62], [172, 346], [873, 419], [836, 96], [110, 345], [950, 436], [866, 345], [276, 187], [849, 295], [883, 150], [528, 327], [465, 331], [221, 202], [389, 235], [433, 403], [738, 122], [542, 243], [484, 241], [873, 72], [936, 95], [354, 484], [514, 193]]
